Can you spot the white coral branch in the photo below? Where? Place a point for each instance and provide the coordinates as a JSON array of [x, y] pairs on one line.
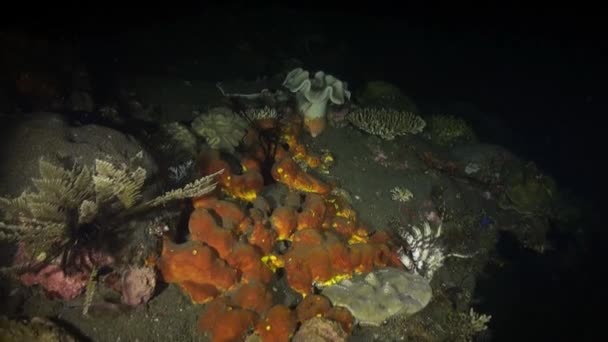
[[424, 255]]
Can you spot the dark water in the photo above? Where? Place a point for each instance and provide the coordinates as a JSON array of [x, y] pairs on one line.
[[534, 77]]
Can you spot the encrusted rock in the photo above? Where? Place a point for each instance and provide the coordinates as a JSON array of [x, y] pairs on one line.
[[318, 329], [386, 123], [374, 297]]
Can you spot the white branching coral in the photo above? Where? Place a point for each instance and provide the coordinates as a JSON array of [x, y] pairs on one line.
[[401, 194], [423, 253], [479, 322]]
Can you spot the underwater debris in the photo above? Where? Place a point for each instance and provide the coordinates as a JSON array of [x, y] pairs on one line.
[[386, 123]]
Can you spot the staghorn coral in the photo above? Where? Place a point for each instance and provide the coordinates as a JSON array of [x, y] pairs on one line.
[[222, 128], [447, 130], [386, 123], [69, 201]]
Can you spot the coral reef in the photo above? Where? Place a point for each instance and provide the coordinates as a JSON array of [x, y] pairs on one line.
[[313, 96], [374, 297], [447, 130], [386, 123], [221, 128]]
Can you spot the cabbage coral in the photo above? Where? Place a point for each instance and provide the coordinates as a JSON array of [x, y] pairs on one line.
[[314, 94], [221, 128]]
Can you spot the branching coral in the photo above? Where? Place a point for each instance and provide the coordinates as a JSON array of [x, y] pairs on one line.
[[386, 123], [222, 128], [424, 255], [401, 194]]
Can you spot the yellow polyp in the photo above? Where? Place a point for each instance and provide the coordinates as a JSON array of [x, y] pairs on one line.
[[194, 252], [273, 262], [334, 280], [347, 214], [41, 257], [354, 239], [327, 158], [280, 170], [248, 196], [268, 327]]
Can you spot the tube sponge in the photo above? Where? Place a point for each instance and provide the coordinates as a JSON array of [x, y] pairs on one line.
[[313, 95]]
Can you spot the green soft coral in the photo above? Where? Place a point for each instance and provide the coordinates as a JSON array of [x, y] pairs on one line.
[[447, 130], [384, 94], [529, 192]]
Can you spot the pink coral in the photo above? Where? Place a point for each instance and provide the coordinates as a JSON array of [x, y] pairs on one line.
[[56, 282], [54, 279]]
